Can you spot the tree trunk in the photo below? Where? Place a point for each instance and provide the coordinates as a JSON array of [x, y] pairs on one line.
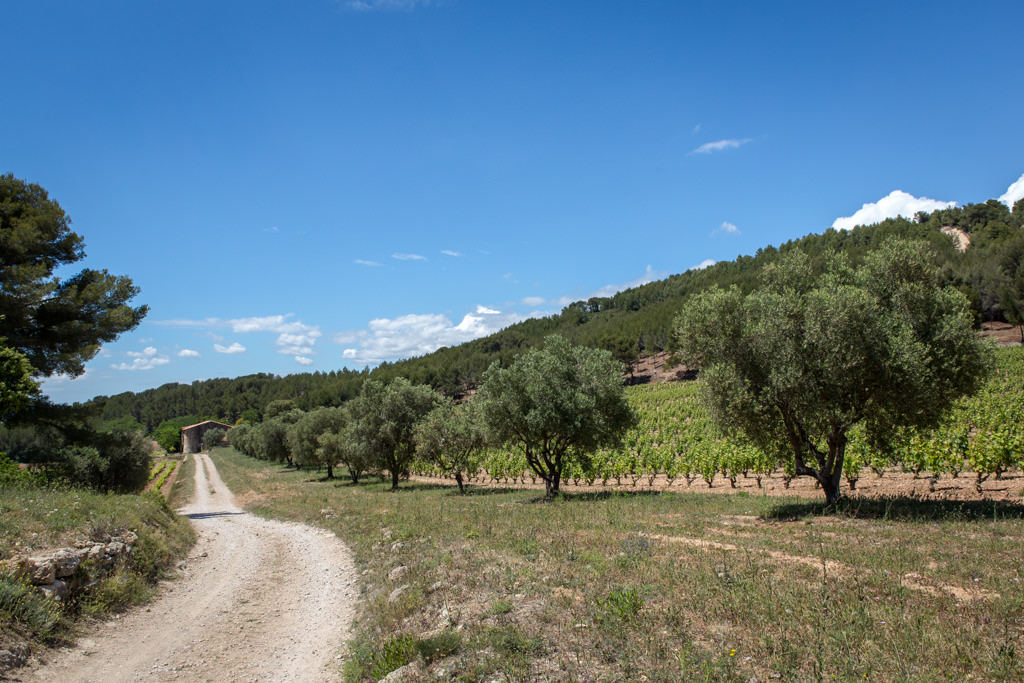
[[394, 479], [330, 471], [830, 485], [551, 483], [458, 480]]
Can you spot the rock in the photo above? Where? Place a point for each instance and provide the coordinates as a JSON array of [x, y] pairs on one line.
[[397, 573], [409, 672], [436, 586], [94, 553], [396, 546], [444, 620], [58, 590], [397, 593], [16, 566], [65, 562], [41, 571], [14, 656]]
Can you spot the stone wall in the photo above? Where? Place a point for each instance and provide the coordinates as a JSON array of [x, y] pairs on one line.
[[56, 573]]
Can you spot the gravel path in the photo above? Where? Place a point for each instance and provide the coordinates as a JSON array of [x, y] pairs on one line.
[[259, 601]]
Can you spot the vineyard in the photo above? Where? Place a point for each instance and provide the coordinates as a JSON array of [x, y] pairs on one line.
[[675, 440], [161, 473]]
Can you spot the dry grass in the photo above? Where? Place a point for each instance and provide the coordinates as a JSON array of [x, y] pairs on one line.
[[666, 586]]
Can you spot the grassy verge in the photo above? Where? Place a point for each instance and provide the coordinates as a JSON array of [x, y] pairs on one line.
[[184, 485], [620, 586], [35, 520]]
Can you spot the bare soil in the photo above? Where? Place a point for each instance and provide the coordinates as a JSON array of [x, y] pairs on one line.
[[258, 600]]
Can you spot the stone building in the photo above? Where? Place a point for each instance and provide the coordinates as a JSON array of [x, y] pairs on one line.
[[192, 436]]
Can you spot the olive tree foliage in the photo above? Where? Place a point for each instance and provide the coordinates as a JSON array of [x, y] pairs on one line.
[[801, 360], [240, 437], [213, 437], [342, 448], [303, 437], [384, 420], [58, 324], [450, 435], [556, 402]]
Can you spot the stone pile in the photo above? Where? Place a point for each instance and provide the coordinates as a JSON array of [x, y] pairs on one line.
[[56, 574]]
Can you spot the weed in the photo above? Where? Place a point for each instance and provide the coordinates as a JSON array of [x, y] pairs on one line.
[[501, 607], [620, 605], [22, 604]]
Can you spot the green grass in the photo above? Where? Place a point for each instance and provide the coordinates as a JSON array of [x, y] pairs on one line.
[[612, 586], [38, 519], [184, 486]]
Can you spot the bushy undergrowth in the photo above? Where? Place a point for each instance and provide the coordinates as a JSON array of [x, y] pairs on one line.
[[620, 586]]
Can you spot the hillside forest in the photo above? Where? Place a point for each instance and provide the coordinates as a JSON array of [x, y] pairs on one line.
[[630, 324]]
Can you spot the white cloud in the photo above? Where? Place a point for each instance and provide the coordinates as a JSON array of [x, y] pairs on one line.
[[419, 334], [449, 252], [1014, 193], [533, 300], [896, 203], [272, 228], [696, 129], [188, 353], [302, 360], [60, 380], [293, 337], [706, 263], [233, 349], [366, 263], [409, 257], [726, 227], [720, 145], [147, 359], [147, 352]]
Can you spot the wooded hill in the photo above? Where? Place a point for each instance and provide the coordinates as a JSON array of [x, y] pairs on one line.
[[631, 323]]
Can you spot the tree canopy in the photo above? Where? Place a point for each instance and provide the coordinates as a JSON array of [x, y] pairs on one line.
[[57, 324], [450, 435], [556, 402], [384, 419], [796, 363]]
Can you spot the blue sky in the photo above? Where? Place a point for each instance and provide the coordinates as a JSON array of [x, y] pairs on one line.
[[314, 185]]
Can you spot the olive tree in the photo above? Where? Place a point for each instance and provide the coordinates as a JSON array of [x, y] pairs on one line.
[[449, 436], [303, 437], [384, 419], [213, 437], [341, 447], [556, 402], [811, 353]]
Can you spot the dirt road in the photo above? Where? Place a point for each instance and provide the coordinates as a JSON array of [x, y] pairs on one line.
[[259, 601]]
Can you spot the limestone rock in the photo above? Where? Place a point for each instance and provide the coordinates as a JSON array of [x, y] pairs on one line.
[[65, 562], [41, 571], [409, 672], [14, 656], [397, 593], [58, 590], [397, 573]]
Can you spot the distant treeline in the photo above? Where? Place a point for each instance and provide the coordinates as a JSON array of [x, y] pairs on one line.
[[630, 323]]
